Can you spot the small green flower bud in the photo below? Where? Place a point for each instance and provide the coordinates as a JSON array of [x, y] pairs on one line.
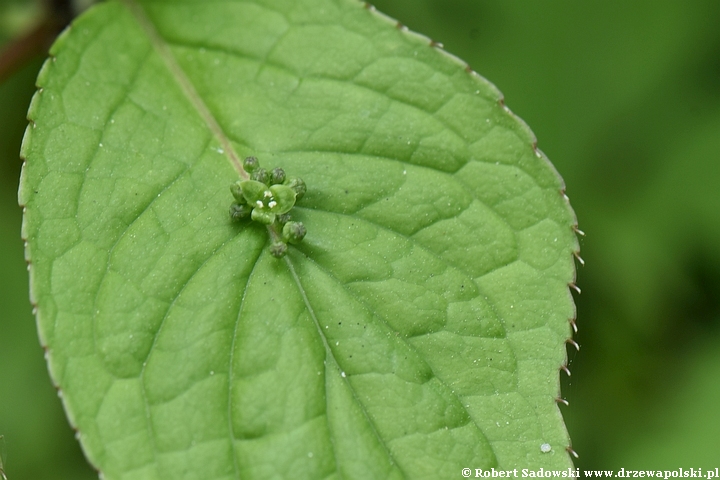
[[239, 211], [283, 218], [250, 164], [298, 186], [278, 249], [236, 190], [261, 175], [277, 175], [294, 232]]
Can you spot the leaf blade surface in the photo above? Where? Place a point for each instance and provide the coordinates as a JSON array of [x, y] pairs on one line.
[[426, 310]]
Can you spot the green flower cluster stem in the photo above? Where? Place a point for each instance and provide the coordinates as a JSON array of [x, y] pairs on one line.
[[267, 198]]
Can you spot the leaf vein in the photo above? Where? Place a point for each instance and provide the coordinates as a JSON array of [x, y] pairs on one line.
[[162, 48], [329, 354], [230, 366], [384, 320]]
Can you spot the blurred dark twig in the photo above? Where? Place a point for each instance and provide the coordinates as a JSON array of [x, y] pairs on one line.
[[57, 14]]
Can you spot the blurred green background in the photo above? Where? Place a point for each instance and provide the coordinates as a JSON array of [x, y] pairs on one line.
[[624, 98]]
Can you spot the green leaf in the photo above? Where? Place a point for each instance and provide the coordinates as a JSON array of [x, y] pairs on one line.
[[417, 330]]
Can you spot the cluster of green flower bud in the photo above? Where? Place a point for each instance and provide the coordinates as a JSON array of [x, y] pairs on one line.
[[267, 197]]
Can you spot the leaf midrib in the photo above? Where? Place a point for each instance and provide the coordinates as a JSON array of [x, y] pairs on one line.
[[187, 87]]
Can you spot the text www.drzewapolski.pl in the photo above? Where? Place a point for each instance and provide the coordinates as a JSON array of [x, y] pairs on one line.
[[706, 474]]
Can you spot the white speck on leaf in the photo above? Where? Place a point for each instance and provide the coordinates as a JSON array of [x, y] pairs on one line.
[[545, 448]]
